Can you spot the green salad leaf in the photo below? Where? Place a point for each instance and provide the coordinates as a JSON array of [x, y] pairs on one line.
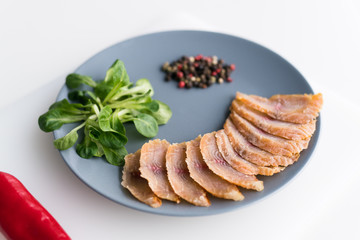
[[102, 112], [74, 80]]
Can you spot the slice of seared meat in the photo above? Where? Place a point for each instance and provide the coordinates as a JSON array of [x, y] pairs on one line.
[[265, 141], [137, 185], [252, 153], [200, 172], [296, 108], [153, 169], [179, 176], [292, 131], [227, 152], [222, 168], [237, 162]]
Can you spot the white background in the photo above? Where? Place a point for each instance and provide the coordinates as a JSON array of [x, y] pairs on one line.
[[42, 41]]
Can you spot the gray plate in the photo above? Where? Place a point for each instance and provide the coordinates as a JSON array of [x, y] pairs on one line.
[[196, 111]]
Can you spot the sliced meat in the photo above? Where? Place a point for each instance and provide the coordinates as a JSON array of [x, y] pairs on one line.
[[296, 108], [153, 169], [179, 176], [220, 167], [265, 141], [292, 131], [252, 153], [200, 172], [137, 185], [237, 162], [226, 150]]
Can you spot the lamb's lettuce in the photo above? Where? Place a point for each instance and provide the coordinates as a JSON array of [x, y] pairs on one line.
[[102, 112]]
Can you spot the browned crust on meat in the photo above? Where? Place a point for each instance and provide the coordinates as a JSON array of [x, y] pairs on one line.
[[239, 163], [137, 185], [220, 167], [153, 169], [306, 107], [179, 176], [265, 141], [291, 131], [205, 177], [252, 153]]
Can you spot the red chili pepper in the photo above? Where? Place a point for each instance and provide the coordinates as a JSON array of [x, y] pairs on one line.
[[22, 216]]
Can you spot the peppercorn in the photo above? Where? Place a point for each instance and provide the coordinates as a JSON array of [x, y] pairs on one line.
[[165, 66], [199, 71], [198, 57], [180, 74], [181, 84], [214, 60]]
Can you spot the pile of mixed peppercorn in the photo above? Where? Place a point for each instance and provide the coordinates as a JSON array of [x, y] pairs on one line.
[[199, 71]]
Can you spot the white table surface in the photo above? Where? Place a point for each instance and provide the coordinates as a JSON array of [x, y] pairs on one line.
[[42, 41]]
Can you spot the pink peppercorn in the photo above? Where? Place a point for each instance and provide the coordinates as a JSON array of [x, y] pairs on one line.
[[229, 79], [180, 74], [214, 73], [179, 67], [208, 59], [199, 57], [232, 67], [181, 84]]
